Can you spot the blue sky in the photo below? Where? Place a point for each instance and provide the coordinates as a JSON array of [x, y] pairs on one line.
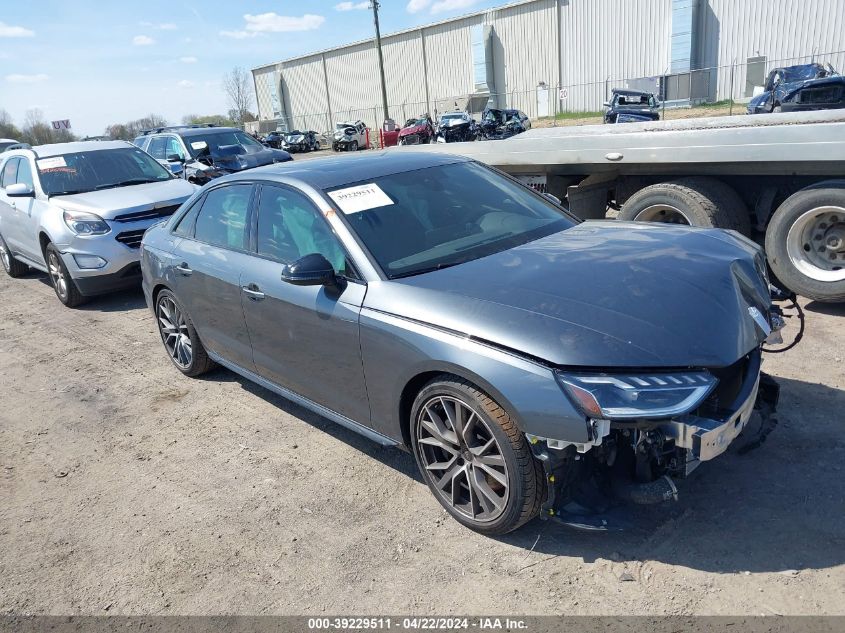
[[104, 62]]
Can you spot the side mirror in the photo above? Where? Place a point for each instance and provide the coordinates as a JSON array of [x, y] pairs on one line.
[[20, 190], [175, 158], [310, 270], [606, 104], [177, 169], [554, 199]]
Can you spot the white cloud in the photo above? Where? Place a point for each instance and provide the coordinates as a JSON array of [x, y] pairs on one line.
[[142, 40], [7, 30], [451, 5], [188, 60], [166, 26], [27, 79], [238, 35], [351, 6], [415, 6], [272, 22], [185, 83]]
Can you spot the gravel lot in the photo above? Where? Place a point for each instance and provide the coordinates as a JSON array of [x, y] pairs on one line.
[[127, 488]]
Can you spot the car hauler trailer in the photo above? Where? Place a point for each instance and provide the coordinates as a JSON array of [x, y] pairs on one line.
[[780, 179]]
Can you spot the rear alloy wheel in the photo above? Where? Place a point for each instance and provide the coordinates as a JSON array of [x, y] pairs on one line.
[[63, 284], [179, 336], [474, 458], [694, 201], [805, 242], [13, 267]]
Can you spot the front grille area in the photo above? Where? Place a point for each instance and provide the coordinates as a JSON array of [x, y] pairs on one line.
[[132, 239], [149, 214], [822, 94], [731, 380], [412, 139]]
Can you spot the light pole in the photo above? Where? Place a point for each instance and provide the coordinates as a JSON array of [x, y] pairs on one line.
[[375, 6]]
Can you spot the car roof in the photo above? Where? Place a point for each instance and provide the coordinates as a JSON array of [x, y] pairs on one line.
[[58, 149], [633, 93], [198, 131], [7, 140], [326, 173]]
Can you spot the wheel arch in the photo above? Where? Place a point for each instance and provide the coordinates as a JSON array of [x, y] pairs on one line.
[[423, 375]]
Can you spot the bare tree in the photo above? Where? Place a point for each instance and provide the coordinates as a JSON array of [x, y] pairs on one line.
[[237, 84]]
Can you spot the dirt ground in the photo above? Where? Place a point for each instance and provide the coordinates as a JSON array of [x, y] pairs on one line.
[[126, 488]]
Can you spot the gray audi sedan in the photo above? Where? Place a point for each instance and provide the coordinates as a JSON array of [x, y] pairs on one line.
[[431, 302]]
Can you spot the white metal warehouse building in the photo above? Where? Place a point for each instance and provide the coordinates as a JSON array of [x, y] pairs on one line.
[[549, 56]]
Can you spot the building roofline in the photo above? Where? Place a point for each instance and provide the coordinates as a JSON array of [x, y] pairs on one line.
[[422, 27]]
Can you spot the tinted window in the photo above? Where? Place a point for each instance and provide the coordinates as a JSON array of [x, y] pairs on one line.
[[222, 219], [10, 172], [441, 216], [25, 173], [185, 224], [98, 169], [289, 227], [157, 147]]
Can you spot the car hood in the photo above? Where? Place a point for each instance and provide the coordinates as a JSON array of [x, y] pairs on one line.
[[108, 203], [241, 161], [600, 295], [453, 123], [412, 129]]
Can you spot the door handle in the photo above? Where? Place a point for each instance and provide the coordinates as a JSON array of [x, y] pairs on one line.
[[253, 292], [184, 269]]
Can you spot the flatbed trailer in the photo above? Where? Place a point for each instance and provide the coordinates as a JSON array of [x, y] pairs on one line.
[[778, 178]]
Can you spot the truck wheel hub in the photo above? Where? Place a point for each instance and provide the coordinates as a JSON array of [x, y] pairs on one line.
[[816, 244]]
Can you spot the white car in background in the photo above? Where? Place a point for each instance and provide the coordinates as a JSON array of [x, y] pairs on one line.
[[78, 211]]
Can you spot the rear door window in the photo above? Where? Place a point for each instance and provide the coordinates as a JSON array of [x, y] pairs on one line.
[[222, 220]]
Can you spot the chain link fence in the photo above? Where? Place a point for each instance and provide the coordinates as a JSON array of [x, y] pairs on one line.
[[700, 92]]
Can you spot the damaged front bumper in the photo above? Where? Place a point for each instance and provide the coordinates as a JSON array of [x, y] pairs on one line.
[[639, 462]]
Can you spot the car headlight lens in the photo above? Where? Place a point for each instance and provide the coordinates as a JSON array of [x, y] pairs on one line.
[[84, 223], [633, 396]]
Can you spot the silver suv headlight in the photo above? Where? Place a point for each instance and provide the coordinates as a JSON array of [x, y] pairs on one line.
[[632, 396], [84, 223]]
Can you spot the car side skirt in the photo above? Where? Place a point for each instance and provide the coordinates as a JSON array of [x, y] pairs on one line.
[[319, 409]]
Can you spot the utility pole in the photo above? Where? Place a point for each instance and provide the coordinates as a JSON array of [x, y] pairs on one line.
[[375, 6]]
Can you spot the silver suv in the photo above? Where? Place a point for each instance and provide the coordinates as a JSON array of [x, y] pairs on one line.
[[77, 211]]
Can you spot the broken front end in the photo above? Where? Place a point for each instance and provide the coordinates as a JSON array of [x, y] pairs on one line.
[[693, 416]]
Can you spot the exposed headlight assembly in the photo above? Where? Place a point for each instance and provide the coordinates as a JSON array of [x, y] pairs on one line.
[[84, 223], [634, 396]]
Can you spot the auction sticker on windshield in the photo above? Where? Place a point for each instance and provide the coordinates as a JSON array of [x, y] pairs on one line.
[[360, 198], [53, 162]]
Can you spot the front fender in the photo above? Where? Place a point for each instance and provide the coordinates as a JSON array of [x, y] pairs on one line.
[[395, 350]]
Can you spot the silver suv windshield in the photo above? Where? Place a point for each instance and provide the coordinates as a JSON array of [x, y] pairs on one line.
[[423, 220], [81, 172], [211, 142]]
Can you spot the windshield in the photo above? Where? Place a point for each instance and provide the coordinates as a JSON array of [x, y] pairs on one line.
[[802, 73], [343, 126], [423, 220], [203, 144], [81, 172], [451, 117]]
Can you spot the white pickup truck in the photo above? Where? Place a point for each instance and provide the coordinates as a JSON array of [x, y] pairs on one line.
[[779, 178]]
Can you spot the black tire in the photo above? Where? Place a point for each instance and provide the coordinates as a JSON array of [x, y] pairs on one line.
[[526, 489], [13, 267], [702, 201], [199, 362], [64, 285], [353, 146], [797, 210]]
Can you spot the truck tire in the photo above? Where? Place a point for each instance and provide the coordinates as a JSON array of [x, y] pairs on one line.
[[482, 471], [696, 201], [13, 267], [805, 242]]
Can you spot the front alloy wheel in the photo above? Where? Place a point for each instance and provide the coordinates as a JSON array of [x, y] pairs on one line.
[[63, 284], [474, 458]]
